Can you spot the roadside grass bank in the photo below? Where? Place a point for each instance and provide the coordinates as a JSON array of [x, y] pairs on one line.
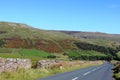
[[33, 74], [116, 70], [117, 76]]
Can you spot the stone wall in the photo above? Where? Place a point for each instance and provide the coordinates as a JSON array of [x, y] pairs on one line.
[[12, 64], [47, 63], [58, 64]]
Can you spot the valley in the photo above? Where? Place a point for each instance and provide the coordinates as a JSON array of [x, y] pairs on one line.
[[25, 42]]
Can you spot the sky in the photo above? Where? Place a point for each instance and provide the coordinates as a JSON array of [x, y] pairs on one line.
[[70, 15]]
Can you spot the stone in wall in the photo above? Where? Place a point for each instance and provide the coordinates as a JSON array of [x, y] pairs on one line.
[[10, 64], [2, 63], [24, 63]]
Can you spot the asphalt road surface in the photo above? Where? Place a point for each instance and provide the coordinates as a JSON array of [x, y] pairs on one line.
[[102, 72]]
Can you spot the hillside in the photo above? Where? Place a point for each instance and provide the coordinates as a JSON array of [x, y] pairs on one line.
[[94, 35], [22, 36], [8, 29], [17, 35], [104, 39]]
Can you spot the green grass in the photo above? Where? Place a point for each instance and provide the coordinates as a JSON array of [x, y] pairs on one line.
[[8, 52], [85, 55], [32, 54], [117, 76], [118, 54]]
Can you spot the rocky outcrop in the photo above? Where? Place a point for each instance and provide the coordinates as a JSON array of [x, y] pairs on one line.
[[11, 64]]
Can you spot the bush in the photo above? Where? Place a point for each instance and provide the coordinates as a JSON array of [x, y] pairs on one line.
[[51, 56]]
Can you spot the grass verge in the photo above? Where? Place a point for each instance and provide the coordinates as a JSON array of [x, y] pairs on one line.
[[117, 76]]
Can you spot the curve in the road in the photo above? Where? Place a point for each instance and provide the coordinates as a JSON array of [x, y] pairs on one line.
[[102, 72]]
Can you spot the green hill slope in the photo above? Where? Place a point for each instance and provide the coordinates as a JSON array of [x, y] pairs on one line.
[[16, 35], [8, 29]]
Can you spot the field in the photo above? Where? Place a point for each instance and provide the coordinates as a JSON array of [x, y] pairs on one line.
[[86, 55], [32, 54]]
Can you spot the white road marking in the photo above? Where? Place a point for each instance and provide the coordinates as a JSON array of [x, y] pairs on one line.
[[75, 78], [87, 73], [91, 71]]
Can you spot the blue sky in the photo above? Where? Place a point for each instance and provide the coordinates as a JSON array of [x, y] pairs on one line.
[[80, 15]]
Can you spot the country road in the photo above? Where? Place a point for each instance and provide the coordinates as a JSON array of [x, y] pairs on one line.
[[102, 72]]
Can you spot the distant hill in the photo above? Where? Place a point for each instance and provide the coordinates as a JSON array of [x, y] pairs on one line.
[[96, 37]]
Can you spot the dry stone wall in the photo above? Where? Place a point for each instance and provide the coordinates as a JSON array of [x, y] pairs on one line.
[[47, 63], [57, 63], [12, 64]]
